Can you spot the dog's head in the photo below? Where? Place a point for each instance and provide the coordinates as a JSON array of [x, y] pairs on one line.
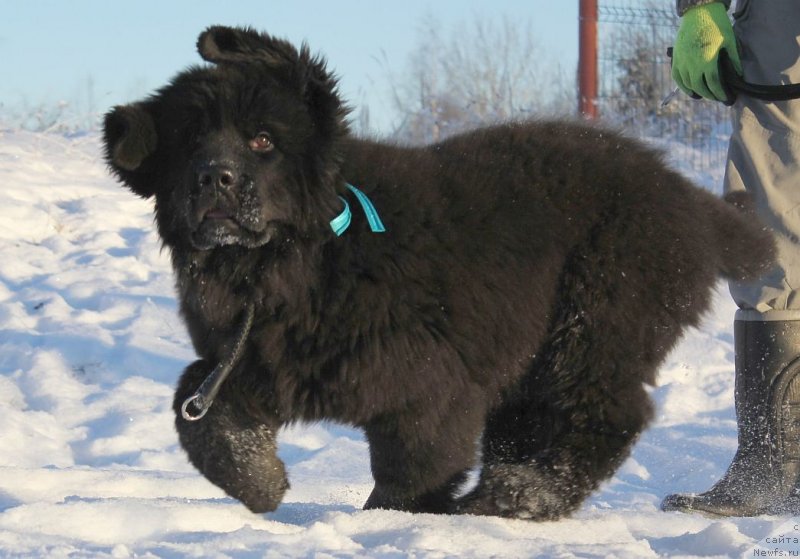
[[237, 152]]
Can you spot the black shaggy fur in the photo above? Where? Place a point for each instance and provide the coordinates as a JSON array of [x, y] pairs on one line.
[[532, 279]]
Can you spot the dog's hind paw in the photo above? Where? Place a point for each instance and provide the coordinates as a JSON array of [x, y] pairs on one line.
[[518, 491]]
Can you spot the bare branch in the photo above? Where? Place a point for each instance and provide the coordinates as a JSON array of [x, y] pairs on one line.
[[480, 74]]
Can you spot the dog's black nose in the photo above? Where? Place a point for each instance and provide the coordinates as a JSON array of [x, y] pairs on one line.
[[217, 176]]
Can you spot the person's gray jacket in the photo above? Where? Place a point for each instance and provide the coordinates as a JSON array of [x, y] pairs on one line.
[[682, 5]]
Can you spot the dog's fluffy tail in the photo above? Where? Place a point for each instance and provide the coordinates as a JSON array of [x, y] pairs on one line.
[[746, 246]]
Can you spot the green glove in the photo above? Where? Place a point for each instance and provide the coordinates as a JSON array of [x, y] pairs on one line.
[[704, 31]]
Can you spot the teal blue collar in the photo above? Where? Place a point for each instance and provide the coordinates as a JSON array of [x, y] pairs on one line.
[[341, 222]]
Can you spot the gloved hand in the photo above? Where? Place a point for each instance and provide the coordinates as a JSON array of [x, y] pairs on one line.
[[704, 31]]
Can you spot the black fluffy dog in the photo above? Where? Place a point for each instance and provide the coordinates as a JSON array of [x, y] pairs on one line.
[[531, 279]]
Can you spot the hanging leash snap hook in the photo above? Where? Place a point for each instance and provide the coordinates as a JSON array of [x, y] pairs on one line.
[[204, 396], [201, 405]]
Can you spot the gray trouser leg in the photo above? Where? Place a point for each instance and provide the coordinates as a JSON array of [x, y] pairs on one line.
[[764, 153], [764, 159]]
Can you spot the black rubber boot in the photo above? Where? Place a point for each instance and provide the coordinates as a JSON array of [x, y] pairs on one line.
[[763, 477]]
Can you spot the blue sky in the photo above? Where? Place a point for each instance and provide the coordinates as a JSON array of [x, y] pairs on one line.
[[60, 50]]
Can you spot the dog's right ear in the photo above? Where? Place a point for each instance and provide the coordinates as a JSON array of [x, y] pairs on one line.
[[130, 138]]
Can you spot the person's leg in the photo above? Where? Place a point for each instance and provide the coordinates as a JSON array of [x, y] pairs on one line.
[[764, 159]]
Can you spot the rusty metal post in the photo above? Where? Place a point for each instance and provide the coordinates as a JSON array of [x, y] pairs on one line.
[[587, 61]]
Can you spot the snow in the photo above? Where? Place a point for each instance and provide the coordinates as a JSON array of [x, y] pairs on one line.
[[91, 346]]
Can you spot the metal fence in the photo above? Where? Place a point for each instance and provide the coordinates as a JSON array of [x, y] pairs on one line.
[[634, 78]]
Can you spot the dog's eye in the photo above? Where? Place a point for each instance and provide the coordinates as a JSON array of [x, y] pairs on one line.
[[261, 143]]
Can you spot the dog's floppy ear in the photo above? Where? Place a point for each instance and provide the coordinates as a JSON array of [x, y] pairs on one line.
[[220, 44], [129, 134]]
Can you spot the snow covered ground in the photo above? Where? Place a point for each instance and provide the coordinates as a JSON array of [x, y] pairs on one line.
[[90, 347]]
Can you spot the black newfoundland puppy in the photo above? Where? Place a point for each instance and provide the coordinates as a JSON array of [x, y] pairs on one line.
[[530, 280]]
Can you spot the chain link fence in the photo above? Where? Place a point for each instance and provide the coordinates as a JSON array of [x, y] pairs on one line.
[[634, 79]]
